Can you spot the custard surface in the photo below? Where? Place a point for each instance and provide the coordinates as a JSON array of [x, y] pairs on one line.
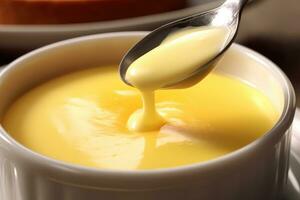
[[81, 118]]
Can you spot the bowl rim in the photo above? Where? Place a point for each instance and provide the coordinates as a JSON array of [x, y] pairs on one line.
[[26, 155]]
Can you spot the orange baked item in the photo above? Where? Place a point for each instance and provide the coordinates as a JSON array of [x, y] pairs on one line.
[[76, 11]]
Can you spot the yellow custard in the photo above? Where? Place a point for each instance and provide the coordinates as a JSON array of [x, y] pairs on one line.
[[176, 58], [81, 118]]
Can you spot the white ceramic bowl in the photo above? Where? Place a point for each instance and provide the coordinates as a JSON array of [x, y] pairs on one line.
[[257, 171]]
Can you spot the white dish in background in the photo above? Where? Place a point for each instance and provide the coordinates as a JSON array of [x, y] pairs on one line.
[[22, 38]]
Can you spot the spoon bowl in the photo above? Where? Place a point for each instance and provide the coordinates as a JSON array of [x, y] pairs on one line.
[[226, 15]]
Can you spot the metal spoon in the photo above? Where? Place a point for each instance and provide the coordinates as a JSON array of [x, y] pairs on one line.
[[227, 15]]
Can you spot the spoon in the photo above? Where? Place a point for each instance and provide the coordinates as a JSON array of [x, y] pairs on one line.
[[226, 15]]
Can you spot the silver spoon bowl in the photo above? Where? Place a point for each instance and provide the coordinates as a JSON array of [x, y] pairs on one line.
[[226, 15]]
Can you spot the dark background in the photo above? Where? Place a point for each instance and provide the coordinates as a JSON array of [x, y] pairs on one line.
[[272, 27]]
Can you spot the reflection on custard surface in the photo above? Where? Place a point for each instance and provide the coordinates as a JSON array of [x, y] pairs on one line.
[[81, 118]]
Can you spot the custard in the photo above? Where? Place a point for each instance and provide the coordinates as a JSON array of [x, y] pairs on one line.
[[81, 118], [180, 55]]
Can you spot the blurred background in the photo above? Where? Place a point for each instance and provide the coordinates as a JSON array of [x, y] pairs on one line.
[[271, 27]]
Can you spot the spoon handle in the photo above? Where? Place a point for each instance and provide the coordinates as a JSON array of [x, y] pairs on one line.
[[236, 5]]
